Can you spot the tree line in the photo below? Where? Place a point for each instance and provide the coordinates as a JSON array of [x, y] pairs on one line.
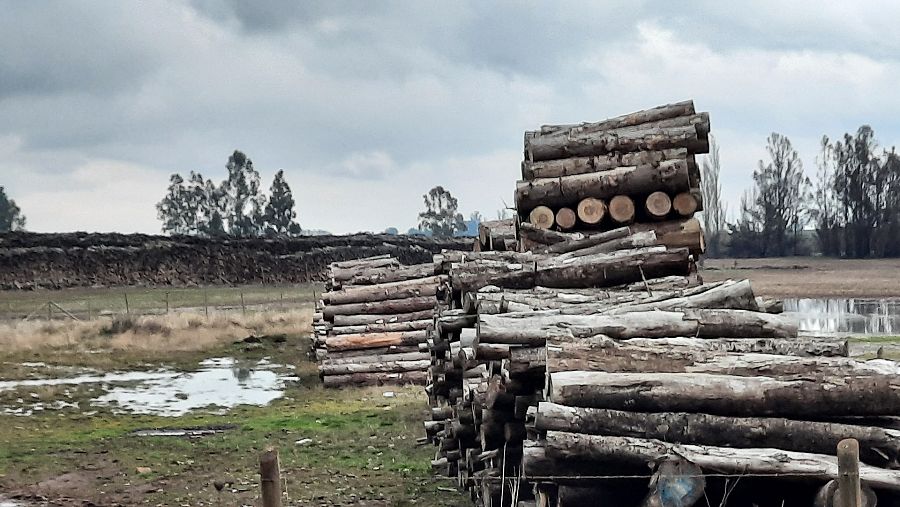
[[235, 207], [11, 217], [850, 210]]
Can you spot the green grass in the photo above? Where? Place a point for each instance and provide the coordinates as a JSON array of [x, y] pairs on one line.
[[142, 300], [876, 339]]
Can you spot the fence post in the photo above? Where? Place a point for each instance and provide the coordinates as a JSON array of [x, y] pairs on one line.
[[270, 478], [49, 311], [206, 303], [849, 490], [89, 310], [167, 302], [243, 308], [127, 309], [282, 301]]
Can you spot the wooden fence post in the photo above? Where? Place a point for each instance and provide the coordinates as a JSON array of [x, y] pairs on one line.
[[90, 317], [206, 303], [849, 490], [49, 311], [243, 308], [167, 302], [270, 478], [127, 309]]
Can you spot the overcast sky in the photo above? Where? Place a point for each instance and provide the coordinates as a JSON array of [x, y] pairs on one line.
[[367, 105]]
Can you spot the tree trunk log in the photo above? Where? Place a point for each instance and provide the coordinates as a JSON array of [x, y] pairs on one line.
[[620, 267], [389, 274], [621, 209], [545, 237], [658, 205], [373, 340], [387, 291], [347, 354], [375, 379], [386, 327], [584, 165], [685, 204], [728, 395], [371, 262], [671, 176], [636, 240], [566, 218], [591, 211], [563, 445], [345, 272], [409, 305], [541, 217], [362, 320], [879, 447], [683, 233], [803, 347], [383, 366], [728, 295], [659, 113]]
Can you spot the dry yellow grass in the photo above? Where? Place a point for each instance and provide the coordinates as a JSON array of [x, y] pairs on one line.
[[173, 332]]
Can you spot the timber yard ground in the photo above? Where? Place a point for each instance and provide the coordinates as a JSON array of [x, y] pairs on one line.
[[61, 445]]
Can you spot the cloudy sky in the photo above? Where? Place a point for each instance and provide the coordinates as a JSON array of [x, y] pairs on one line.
[[366, 105]]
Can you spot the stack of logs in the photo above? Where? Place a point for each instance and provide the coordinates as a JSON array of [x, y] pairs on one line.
[[372, 320], [561, 379], [639, 167]]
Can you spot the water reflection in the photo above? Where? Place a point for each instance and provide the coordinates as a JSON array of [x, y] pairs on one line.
[[856, 316]]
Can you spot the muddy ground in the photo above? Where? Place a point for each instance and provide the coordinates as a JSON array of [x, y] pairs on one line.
[[811, 277]]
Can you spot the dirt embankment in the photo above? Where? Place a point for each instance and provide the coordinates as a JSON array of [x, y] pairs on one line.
[[55, 261], [811, 277]]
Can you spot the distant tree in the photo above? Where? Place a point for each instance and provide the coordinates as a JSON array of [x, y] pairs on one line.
[[825, 215], [392, 231], [441, 217], [503, 214], [11, 217], [476, 217], [243, 203], [747, 231], [280, 214], [714, 210]]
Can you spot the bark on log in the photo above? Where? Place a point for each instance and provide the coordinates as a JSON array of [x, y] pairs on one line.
[[348, 271], [541, 217], [373, 261], [566, 218], [583, 165], [390, 274], [670, 175], [636, 240], [607, 355], [494, 234], [375, 379], [384, 366], [620, 267], [545, 236], [373, 340], [729, 295], [348, 354], [361, 320], [378, 357], [621, 209], [683, 233], [658, 205], [387, 327], [658, 113], [878, 446], [591, 211], [409, 305], [563, 445], [387, 291], [728, 395], [803, 346], [570, 245], [685, 204]]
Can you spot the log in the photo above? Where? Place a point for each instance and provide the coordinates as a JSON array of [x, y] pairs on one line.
[[583, 165], [386, 291], [409, 305], [494, 234], [734, 295], [376, 276], [373, 340], [541, 217], [803, 347], [373, 261], [682, 233], [569, 245], [379, 357], [879, 447], [388, 327], [636, 240], [604, 354], [658, 205], [346, 354], [664, 112], [361, 320], [563, 445], [566, 218], [543, 237], [591, 211], [685, 204], [347, 272], [621, 209], [375, 379], [670, 175], [620, 267], [383, 366], [728, 395]]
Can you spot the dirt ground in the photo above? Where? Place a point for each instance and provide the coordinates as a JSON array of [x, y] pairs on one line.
[[811, 277]]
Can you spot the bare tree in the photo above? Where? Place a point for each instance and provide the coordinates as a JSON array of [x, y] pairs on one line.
[[714, 210]]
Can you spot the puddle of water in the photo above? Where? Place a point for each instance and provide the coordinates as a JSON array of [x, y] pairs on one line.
[[219, 383], [854, 316]]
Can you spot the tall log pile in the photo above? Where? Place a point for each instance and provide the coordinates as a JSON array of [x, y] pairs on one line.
[[639, 168], [369, 324]]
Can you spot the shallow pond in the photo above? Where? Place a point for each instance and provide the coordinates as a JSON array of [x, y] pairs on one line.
[[217, 384], [851, 316]]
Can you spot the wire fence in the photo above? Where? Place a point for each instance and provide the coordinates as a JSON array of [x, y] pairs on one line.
[[90, 304]]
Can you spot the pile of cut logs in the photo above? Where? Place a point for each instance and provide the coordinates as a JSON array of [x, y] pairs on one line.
[[600, 370], [639, 167], [372, 320]]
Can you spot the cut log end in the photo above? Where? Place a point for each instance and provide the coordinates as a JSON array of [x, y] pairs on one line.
[[566, 218], [621, 209], [591, 210], [541, 217], [685, 204], [658, 205]]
